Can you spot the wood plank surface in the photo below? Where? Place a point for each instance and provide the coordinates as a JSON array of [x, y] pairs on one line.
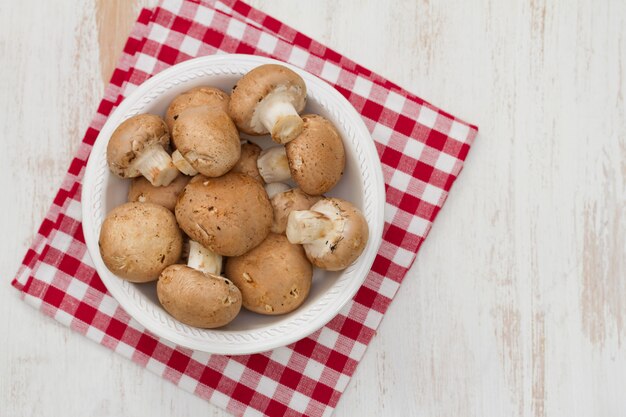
[[516, 305]]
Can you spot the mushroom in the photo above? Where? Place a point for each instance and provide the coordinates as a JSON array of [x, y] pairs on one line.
[[138, 240], [333, 233], [247, 163], [229, 215], [196, 298], [274, 188], [208, 140], [213, 99], [142, 191], [274, 278], [273, 165], [139, 147], [287, 201], [203, 259], [268, 100], [316, 157]]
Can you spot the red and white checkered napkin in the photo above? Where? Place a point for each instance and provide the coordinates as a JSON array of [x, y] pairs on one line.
[[421, 148]]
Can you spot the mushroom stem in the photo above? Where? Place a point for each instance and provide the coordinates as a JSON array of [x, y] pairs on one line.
[[156, 165], [273, 165], [274, 188], [203, 259], [277, 114], [181, 163], [307, 226]]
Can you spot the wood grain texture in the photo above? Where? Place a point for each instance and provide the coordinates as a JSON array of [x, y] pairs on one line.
[[516, 303], [115, 19]]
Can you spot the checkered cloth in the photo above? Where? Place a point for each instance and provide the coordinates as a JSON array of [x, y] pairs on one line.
[[421, 148]]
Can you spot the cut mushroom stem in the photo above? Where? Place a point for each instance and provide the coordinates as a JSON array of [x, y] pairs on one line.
[[277, 114], [156, 165], [274, 188], [306, 226], [181, 163], [273, 165], [203, 259]]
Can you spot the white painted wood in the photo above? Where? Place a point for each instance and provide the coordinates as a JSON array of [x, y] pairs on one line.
[[515, 305]]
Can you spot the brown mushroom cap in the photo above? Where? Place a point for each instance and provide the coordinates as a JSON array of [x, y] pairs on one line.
[[253, 87], [130, 138], [229, 215], [198, 299], [209, 141], [274, 278], [210, 97], [285, 202], [316, 157], [343, 233], [142, 191], [247, 161], [139, 240]]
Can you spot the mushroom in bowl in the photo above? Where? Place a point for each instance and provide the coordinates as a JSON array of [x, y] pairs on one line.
[[229, 215], [333, 233], [139, 240], [274, 278], [268, 99]]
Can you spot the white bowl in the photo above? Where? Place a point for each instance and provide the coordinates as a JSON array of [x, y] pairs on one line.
[[362, 184]]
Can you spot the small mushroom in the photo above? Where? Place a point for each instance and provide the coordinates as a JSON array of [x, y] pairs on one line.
[[274, 188], [213, 99], [196, 298], [333, 233], [142, 191], [316, 157], [268, 100], [274, 278], [287, 201], [229, 215], [273, 165], [139, 147], [203, 259], [209, 141], [247, 163], [139, 240]]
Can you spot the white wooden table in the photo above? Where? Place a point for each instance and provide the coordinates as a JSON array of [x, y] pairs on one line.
[[516, 305]]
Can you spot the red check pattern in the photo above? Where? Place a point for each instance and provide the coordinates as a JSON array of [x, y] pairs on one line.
[[422, 150]]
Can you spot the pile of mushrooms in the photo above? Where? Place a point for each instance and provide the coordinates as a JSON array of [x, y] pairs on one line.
[[217, 221]]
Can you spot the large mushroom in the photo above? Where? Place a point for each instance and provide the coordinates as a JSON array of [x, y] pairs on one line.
[[138, 240], [139, 146], [267, 100], [274, 278], [283, 203], [142, 191], [316, 157], [211, 98], [196, 298], [207, 140], [229, 215], [247, 163], [333, 233]]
